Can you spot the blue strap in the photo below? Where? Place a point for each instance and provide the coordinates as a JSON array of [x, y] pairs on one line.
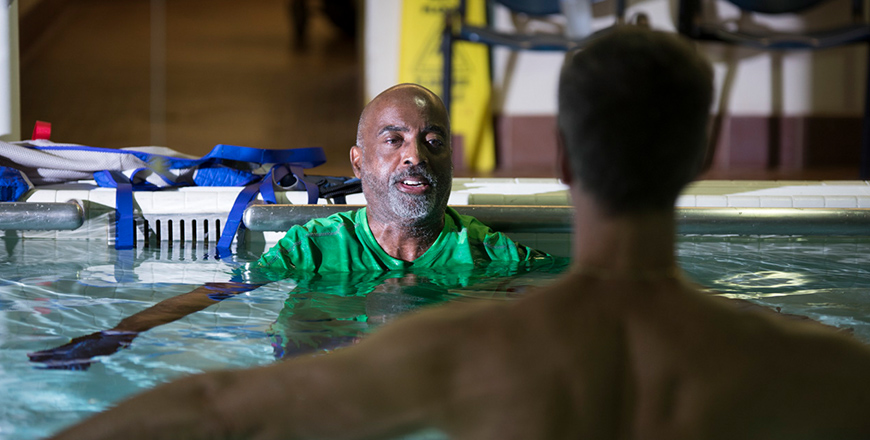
[[13, 184], [234, 219], [108, 179], [124, 223], [124, 266], [304, 157], [311, 188], [265, 187]]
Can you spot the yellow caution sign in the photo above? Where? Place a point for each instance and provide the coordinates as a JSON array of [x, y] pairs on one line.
[[420, 61]]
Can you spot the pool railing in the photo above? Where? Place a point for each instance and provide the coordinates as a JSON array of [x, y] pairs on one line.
[[534, 211]]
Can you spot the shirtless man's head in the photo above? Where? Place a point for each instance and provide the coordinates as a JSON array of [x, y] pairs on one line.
[[404, 159], [633, 114]]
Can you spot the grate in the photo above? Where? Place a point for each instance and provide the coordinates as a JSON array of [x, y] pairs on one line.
[[178, 229]]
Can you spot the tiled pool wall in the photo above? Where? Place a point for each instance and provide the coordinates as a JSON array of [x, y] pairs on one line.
[[204, 209]]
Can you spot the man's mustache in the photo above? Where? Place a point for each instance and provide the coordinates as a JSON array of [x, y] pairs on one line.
[[419, 171]]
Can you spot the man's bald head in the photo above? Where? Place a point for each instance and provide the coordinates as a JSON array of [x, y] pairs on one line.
[[404, 159], [399, 92]]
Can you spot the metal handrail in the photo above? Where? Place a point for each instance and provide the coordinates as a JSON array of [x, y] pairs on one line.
[[41, 216], [773, 221], [557, 219]]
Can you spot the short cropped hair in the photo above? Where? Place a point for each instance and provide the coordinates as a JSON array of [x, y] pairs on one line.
[[633, 113]]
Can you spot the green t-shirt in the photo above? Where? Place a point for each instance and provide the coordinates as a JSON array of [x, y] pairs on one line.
[[344, 242]]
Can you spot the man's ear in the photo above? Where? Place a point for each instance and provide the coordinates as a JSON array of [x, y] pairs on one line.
[[563, 164], [355, 159]]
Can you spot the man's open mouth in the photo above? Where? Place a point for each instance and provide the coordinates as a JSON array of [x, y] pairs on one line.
[[413, 185], [411, 182]]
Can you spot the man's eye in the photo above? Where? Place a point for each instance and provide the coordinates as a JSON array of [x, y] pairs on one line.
[[394, 140], [436, 143]]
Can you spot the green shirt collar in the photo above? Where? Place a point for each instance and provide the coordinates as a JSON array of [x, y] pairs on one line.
[[431, 254]]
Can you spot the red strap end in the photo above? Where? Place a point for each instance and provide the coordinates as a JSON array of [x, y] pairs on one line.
[[41, 130]]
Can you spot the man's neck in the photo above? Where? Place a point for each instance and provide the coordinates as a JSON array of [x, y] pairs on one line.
[[403, 240], [627, 246]]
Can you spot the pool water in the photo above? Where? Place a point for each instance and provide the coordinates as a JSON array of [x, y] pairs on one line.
[[825, 278], [53, 291]]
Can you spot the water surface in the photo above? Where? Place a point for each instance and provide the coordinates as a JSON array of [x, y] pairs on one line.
[[52, 292]]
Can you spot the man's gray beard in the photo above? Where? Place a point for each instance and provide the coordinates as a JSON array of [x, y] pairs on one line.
[[413, 207]]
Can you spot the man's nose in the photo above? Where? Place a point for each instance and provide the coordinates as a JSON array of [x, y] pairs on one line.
[[416, 153]]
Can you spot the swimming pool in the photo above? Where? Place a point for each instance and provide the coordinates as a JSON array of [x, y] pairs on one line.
[[53, 291]]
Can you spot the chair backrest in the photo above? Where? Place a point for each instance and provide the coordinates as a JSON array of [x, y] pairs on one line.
[[775, 6], [690, 10], [532, 7]]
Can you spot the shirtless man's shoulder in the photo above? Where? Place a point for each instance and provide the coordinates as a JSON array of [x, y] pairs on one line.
[[674, 361]]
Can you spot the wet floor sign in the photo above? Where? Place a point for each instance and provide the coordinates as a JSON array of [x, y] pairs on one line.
[[420, 62]]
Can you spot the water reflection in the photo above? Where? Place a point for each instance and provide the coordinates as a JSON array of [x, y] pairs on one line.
[[765, 279], [320, 312], [326, 311]]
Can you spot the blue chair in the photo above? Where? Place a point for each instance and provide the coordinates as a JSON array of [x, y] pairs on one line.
[[856, 30], [457, 29]]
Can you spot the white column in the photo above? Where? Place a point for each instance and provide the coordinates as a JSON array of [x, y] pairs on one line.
[[10, 100]]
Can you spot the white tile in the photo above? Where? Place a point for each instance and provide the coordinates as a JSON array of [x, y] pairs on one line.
[[812, 190], [225, 199], [844, 183], [77, 195], [42, 196], [809, 201], [201, 201], [486, 199], [686, 201], [556, 199], [705, 201], [359, 199], [296, 197], [493, 180], [144, 200], [841, 202], [458, 199], [744, 201], [543, 180], [168, 202], [776, 202], [864, 202], [102, 196]]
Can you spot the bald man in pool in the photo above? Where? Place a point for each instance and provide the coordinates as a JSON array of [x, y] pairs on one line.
[[403, 157], [622, 347]]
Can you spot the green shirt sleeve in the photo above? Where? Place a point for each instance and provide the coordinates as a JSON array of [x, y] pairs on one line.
[[321, 244], [338, 243]]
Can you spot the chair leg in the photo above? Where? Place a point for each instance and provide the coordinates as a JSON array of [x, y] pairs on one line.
[[447, 66], [865, 132], [620, 11]]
